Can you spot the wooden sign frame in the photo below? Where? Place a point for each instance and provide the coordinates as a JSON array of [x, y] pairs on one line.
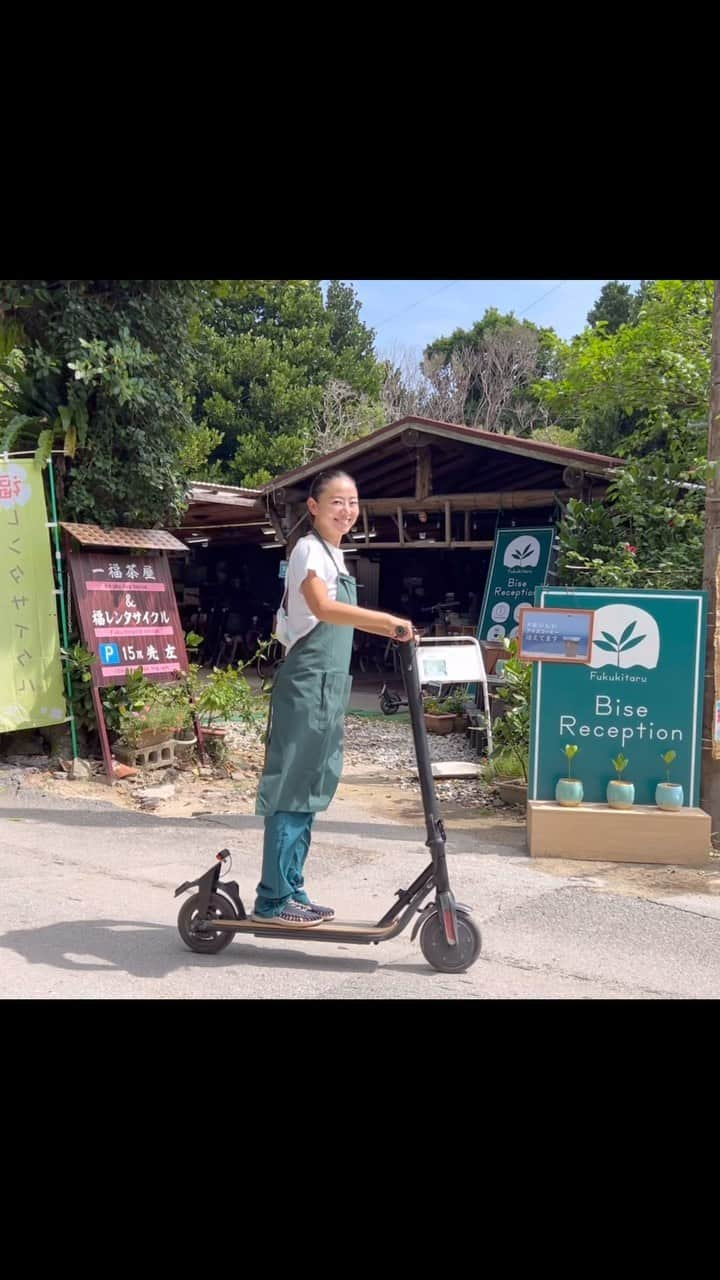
[[578, 649]]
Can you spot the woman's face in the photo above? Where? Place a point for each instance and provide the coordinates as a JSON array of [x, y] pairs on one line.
[[337, 508]]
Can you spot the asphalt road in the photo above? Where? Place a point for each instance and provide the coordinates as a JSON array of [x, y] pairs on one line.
[[87, 912]]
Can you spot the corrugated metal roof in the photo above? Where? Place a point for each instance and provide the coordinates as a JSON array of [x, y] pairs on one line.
[[91, 535], [227, 493]]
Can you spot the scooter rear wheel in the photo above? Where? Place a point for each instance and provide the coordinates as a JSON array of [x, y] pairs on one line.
[[450, 959], [390, 703], [206, 943]]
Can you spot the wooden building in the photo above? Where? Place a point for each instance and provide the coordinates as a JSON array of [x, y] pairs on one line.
[[432, 495]]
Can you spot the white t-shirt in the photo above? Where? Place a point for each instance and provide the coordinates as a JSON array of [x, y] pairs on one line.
[[309, 553]]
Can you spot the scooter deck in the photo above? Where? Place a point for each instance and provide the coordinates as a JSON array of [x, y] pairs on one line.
[[330, 930]]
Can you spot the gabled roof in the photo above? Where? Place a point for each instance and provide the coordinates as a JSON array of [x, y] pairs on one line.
[[91, 535], [594, 463]]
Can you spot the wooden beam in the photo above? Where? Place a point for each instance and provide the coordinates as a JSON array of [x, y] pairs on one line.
[[518, 500], [423, 472], [483, 545]]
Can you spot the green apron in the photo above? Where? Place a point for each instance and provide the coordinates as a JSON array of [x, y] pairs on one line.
[[304, 750]]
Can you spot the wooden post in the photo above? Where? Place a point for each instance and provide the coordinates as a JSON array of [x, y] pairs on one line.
[[401, 531], [710, 796], [423, 472], [467, 526], [448, 524], [102, 730], [365, 525]]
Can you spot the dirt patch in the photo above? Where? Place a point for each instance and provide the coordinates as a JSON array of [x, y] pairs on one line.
[[640, 880], [387, 798]]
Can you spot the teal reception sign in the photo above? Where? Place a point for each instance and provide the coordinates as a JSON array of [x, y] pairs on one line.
[[519, 564], [641, 694]]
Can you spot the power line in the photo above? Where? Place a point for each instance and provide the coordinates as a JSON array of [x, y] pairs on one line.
[[427, 296], [410, 306], [544, 295]]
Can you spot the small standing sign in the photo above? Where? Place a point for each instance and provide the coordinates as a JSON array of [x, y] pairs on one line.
[[129, 619], [128, 615], [555, 635]]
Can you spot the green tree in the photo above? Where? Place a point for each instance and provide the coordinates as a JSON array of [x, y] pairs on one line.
[[648, 533], [267, 350], [629, 392], [616, 305], [101, 368]]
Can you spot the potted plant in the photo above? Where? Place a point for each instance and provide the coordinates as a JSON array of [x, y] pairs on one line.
[[569, 791], [669, 795], [438, 718], [224, 695], [149, 726], [620, 795], [511, 731], [458, 703]]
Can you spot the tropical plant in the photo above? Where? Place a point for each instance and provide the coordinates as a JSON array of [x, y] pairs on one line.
[[648, 532], [570, 751], [78, 661], [152, 719], [668, 757], [437, 707], [511, 732], [225, 695], [620, 764], [103, 368], [454, 704]]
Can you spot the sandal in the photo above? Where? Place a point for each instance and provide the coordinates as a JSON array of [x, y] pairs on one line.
[[292, 914], [325, 913]]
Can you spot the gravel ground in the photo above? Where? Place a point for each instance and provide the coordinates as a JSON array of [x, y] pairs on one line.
[[387, 746], [383, 747]]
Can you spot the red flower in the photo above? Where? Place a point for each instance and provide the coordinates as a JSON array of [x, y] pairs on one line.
[[627, 546]]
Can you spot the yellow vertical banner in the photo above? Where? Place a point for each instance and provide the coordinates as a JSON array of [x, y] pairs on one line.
[[31, 684]]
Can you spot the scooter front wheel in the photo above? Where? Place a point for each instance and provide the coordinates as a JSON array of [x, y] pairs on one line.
[[450, 959], [207, 942], [390, 703]]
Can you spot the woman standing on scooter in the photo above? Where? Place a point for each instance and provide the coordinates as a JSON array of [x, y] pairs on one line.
[[304, 754]]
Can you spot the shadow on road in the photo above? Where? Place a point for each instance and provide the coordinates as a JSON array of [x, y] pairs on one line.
[[147, 950]]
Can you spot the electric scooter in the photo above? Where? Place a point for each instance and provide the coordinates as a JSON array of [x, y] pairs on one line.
[[449, 938], [390, 702]]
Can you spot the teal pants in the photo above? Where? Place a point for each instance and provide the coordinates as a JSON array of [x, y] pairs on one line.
[[285, 848]]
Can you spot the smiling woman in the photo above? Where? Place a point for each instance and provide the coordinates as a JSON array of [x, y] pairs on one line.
[[304, 751]]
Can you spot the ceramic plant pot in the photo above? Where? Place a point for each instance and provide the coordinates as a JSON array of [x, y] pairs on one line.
[[569, 792], [620, 795], [439, 723], [669, 796]]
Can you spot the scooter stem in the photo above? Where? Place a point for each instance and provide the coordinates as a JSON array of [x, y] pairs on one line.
[[433, 820]]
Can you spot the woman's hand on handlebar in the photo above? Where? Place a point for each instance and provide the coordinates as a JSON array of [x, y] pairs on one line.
[[401, 629]]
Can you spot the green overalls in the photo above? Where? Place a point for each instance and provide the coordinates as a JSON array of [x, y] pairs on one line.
[[304, 751]]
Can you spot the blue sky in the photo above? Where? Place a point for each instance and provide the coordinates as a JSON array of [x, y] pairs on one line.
[[411, 313]]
